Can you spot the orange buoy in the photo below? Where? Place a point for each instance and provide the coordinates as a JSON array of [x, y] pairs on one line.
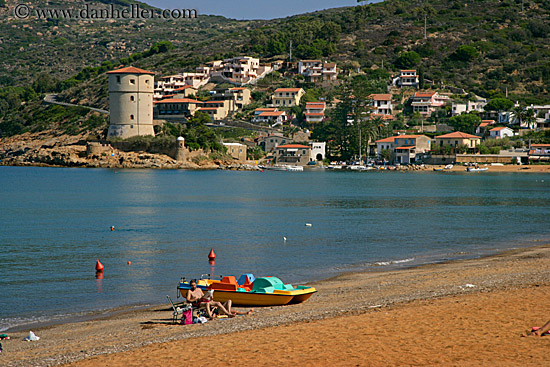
[[129, 262], [112, 228], [98, 265], [211, 255]]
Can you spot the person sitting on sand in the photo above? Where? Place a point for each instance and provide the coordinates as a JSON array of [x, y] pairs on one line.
[[539, 331], [195, 296]]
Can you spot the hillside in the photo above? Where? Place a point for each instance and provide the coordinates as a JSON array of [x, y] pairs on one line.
[[488, 47]]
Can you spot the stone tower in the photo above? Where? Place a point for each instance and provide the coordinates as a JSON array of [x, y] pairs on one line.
[[130, 102]]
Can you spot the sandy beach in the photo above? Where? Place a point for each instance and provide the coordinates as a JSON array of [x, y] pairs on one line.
[[460, 313]]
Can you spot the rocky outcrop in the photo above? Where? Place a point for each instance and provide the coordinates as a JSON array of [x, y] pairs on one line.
[[45, 150]]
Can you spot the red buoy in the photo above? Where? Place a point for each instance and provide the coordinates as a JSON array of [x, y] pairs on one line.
[[98, 265], [211, 255]]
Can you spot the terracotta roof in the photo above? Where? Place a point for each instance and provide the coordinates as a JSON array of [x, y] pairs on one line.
[[457, 134], [314, 114], [237, 88], [383, 116], [184, 87], [329, 64], [266, 109], [483, 124], [130, 70], [408, 70], [272, 113], [497, 128], [405, 148], [407, 136], [214, 102], [178, 100], [291, 146], [391, 139], [287, 89], [540, 145], [424, 94], [488, 121], [380, 97]]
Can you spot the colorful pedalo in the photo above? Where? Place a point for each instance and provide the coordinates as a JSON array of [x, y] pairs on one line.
[[249, 291]]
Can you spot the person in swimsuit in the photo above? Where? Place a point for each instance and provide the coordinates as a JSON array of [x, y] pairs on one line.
[[195, 296]]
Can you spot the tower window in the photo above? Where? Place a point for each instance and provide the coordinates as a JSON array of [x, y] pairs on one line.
[[132, 81], [132, 98], [131, 117], [118, 78]]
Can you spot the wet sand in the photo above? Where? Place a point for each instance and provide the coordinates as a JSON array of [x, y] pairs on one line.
[[461, 313]]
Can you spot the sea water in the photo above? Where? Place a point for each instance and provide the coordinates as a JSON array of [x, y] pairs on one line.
[[55, 223]]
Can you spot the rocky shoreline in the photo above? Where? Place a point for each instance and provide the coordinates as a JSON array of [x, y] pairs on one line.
[[45, 150]]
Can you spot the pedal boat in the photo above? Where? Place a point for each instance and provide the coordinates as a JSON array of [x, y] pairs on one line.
[[264, 291]]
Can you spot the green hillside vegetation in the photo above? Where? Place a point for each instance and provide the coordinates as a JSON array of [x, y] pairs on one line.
[[486, 47]]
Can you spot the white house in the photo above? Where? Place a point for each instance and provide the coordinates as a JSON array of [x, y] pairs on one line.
[[406, 78], [318, 151], [381, 104], [470, 106], [500, 132]]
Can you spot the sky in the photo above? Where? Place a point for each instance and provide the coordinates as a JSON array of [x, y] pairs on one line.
[[251, 9]]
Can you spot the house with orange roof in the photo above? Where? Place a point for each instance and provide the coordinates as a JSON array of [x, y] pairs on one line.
[[427, 102], [292, 154], [287, 97], [457, 139], [273, 118], [406, 78], [238, 97], [176, 108], [381, 104], [500, 132], [315, 112], [484, 127], [405, 149]]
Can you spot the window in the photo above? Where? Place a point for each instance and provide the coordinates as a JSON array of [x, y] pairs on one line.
[[146, 81], [132, 81], [131, 117], [118, 78], [132, 98]]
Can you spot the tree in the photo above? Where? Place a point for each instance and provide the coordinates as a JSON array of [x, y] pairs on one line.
[[466, 122], [386, 154], [407, 60], [499, 105], [465, 53]]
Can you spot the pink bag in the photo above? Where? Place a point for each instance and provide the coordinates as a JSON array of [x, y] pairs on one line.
[[187, 317]]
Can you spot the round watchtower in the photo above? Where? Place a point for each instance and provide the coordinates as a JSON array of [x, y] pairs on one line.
[[130, 102]]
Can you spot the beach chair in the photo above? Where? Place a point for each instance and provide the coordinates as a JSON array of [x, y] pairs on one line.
[[177, 311]]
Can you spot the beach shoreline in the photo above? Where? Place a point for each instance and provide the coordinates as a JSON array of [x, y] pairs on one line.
[[353, 294]]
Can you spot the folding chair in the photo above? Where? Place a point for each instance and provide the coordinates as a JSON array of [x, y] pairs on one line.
[[177, 311]]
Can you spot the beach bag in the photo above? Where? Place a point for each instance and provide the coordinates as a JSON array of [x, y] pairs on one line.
[[187, 317]]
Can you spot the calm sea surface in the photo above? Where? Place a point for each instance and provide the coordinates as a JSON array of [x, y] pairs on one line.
[[55, 222]]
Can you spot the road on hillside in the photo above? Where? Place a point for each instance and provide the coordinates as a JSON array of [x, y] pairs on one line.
[[52, 99]]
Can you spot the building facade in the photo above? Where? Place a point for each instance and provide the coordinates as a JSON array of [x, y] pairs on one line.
[[287, 97], [292, 154]]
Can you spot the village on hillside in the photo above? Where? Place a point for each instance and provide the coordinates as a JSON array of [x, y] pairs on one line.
[[283, 105]]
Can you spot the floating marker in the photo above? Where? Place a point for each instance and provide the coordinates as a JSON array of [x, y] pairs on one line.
[[98, 265], [211, 255], [112, 228], [308, 224], [129, 262], [284, 238]]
